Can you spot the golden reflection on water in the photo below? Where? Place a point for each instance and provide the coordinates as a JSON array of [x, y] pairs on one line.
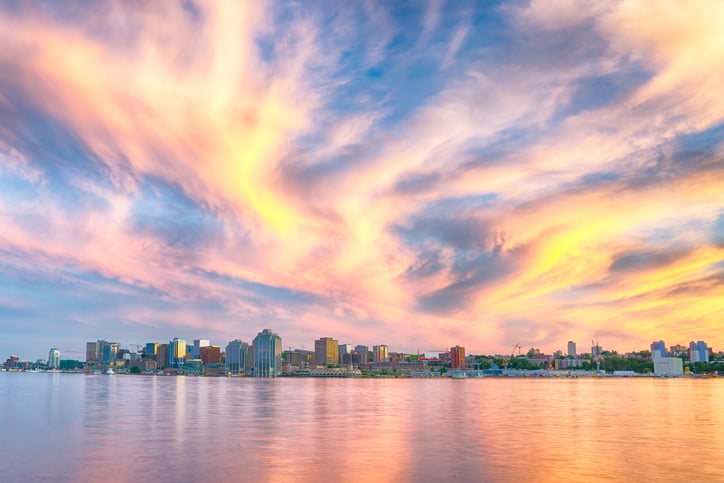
[[138, 428]]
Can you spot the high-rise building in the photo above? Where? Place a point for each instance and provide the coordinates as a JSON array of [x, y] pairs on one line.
[[91, 353], [210, 354], [380, 353], [457, 357], [267, 351], [698, 351], [108, 351], [345, 353], [239, 359], [176, 352], [54, 358], [658, 349], [326, 351], [198, 344], [572, 349], [364, 353], [150, 350], [162, 356]]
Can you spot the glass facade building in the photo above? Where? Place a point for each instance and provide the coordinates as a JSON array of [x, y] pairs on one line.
[[267, 354]]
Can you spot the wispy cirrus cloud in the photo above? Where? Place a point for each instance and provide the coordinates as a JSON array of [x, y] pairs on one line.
[[402, 174]]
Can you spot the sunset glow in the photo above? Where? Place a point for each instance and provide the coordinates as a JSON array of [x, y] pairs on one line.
[[419, 175]]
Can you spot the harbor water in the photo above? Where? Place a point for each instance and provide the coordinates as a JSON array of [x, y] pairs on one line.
[[72, 427]]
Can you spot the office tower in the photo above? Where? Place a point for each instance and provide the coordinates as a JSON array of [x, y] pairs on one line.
[[238, 357], [572, 349], [457, 357], [162, 356], [658, 349], [198, 344], [176, 352], [380, 353], [54, 358], [345, 353], [698, 351], [267, 351], [363, 352], [108, 351], [91, 353], [150, 350], [210, 354], [326, 351]]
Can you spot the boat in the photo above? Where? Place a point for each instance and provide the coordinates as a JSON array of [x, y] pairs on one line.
[[109, 372]]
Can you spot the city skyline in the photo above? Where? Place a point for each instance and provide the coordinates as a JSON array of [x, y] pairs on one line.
[[419, 175]]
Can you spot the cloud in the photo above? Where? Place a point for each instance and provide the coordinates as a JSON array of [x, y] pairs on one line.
[[226, 167]]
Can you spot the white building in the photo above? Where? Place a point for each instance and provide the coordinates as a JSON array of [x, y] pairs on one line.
[[668, 366], [54, 358], [572, 349]]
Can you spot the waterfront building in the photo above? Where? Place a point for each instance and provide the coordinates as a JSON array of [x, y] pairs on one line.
[[210, 354], [162, 356], [457, 357], [299, 357], [345, 353], [198, 344], [326, 351], [54, 358], [572, 349], [363, 353], [150, 350], [668, 366], [698, 351], [109, 351], [239, 358], [380, 353], [91, 353], [267, 351], [658, 349], [176, 352]]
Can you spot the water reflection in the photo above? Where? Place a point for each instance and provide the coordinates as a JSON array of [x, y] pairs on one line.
[[63, 427]]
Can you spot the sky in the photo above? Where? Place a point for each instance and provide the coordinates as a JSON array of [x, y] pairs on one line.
[[419, 174]]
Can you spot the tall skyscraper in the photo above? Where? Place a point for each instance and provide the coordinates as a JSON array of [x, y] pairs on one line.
[[91, 353], [198, 344], [108, 351], [345, 353], [363, 352], [457, 357], [176, 352], [150, 350], [380, 353], [658, 349], [239, 358], [698, 351], [54, 358], [162, 356], [326, 351], [267, 354], [572, 349]]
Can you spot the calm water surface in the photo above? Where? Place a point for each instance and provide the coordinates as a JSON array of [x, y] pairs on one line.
[[67, 427]]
